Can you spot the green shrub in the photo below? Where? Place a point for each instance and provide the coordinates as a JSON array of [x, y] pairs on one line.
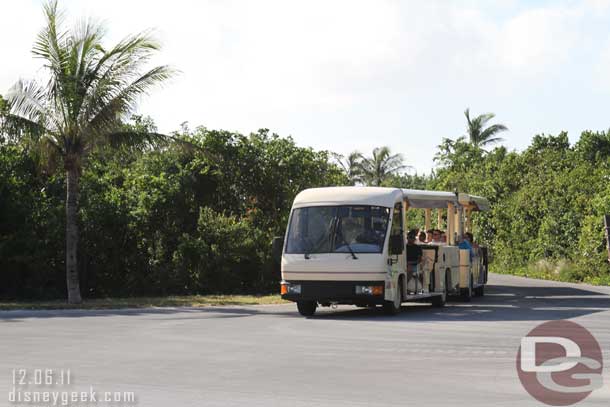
[[224, 254]]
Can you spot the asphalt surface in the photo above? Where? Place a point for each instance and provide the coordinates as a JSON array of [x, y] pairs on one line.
[[463, 354]]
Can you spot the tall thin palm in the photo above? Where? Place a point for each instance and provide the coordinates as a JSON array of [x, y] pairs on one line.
[[479, 135], [89, 92], [380, 166]]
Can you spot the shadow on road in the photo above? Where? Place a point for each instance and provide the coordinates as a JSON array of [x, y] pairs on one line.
[[500, 303]]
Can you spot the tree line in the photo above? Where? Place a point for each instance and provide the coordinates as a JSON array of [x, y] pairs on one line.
[[94, 203]]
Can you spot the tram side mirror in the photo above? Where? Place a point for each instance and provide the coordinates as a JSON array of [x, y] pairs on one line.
[[277, 245], [397, 244]]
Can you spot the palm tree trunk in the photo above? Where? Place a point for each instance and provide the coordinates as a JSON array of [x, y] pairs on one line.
[[74, 296]]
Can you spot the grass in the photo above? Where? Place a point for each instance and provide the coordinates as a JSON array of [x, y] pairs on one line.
[[146, 302], [557, 271]]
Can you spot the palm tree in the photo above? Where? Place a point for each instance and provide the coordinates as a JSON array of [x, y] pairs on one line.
[[351, 166], [90, 90], [480, 136], [376, 169]]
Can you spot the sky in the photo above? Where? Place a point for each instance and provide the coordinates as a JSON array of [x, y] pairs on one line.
[[352, 75]]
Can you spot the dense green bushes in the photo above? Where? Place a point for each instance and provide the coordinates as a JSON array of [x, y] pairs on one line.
[[224, 254], [31, 216], [194, 216]]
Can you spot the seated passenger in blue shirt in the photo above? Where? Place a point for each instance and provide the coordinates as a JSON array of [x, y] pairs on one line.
[[465, 244]]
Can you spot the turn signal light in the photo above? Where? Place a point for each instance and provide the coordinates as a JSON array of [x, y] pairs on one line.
[[284, 289], [369, 289], [377, 290]]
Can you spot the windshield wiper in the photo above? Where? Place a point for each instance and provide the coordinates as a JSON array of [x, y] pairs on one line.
[[307, 252], [343, 240], [311, 249]]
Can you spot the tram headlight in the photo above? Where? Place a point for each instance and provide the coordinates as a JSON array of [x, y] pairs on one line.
[[369, 289]]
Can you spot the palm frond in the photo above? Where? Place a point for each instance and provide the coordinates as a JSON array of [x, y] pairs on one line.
[[141, 140], [109, 113], [117, 77], [126, 56], [50, 40], [492, 141], [467, 114], [485, 117], [339, 159], [51, 45], [30, 102], [87, 37], [492, 130]]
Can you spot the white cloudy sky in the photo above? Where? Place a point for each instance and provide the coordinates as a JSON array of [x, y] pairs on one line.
[[345, 75]]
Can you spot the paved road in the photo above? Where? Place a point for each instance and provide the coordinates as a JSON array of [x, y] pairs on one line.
[[270, 356]]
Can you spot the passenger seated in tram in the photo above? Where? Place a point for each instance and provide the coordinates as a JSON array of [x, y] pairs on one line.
[[466, 245], [436, 238], [470, 239], [422, 238]]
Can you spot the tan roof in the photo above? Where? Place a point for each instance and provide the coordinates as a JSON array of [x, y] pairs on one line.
[[387, 197], [474, 202], [329, 196], [418, 198]]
